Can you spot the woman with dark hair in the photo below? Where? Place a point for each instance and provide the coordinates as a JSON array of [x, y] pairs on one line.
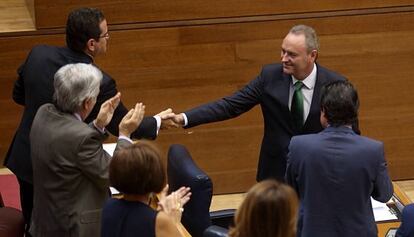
[[138, 172], [269, 210]]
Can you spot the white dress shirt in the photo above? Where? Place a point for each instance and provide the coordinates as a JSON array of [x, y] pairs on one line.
[[307, 91]]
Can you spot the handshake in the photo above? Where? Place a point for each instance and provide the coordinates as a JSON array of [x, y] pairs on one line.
[[134, 117], [170, 119]]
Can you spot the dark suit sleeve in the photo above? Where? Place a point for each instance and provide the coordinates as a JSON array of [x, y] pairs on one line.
[[383, 188], [227, 107], [18, 89], [148, 127]]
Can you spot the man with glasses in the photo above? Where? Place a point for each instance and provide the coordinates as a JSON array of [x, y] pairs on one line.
[[86, 38]]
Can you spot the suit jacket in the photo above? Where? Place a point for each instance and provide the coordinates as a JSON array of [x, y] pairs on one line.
[[70, 175], [34, 87], [406, 228], [335, 172], [270, 89]]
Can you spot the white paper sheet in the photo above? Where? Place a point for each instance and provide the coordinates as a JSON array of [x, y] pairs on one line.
[[382, 212], [110, 148]]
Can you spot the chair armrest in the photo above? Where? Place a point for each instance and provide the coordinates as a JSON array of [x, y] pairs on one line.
[[223, 218], [215, 231]]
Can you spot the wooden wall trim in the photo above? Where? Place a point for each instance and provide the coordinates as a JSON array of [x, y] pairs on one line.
[[272, 17], [229, 20], [131, 11]]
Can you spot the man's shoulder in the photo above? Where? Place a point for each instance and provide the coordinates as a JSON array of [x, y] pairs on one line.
[[366, 141], [330, 74], [42, 53], [43, 48], [305, 138], [273, 68], [45, 109], [272, 71]]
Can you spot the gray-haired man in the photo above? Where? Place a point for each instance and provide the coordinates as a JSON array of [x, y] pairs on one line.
[[70, 167]]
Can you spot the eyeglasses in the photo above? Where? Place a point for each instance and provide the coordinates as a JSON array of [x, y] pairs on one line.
[[106, 35]]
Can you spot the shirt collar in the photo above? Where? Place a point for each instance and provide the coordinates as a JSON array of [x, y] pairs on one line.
[[310, 80], [77, 116]]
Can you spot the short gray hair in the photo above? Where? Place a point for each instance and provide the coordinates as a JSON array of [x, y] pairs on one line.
[[311, 38], [74, 83]]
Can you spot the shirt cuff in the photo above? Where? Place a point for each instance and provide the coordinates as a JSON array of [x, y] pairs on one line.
[[98, 128], [185, 119], [125, 138], [158, 119]]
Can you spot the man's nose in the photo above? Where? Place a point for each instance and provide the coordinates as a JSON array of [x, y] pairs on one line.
[[283, 57]]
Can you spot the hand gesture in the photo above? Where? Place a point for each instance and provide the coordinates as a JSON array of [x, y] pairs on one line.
[[166, 119], [107, 111], [173, 204], [132, 120], [178, 119]]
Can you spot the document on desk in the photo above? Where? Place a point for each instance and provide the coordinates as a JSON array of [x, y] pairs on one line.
[[109, 148], [382, 212]]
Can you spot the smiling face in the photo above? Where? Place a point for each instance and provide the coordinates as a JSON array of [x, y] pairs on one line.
[[296, 59]]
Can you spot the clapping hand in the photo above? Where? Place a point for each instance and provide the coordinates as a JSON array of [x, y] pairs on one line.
[[107, 111], [173, 204], [132, 120]]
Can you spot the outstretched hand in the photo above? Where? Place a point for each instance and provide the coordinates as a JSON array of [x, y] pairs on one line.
[[107, 111], [132, 120], [178, 119], [166, 119]]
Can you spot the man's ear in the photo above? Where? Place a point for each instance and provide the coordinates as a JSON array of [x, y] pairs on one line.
[[314, 55], [87, 103], [323, 119], [323, 112], [91, 45]]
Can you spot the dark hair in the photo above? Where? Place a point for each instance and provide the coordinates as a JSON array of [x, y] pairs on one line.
[[269, 210], [82, 25], [339, 102], [137, 169]]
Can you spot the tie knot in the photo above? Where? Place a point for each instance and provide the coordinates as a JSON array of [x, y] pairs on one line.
[[298, 85]]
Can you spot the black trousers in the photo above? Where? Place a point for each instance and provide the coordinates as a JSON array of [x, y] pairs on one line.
[[26, 201]]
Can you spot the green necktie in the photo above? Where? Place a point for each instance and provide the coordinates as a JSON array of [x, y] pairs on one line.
[[297, 106]]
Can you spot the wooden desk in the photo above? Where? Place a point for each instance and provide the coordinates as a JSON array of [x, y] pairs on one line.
[[384, 227], [234, 200]]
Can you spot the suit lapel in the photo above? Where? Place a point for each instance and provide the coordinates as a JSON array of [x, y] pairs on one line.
[[283, 96]]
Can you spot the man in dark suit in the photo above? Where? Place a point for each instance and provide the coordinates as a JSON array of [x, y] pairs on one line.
[[406, 228], [70, 166], [86, 36], [274, 90], [336, 172]]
